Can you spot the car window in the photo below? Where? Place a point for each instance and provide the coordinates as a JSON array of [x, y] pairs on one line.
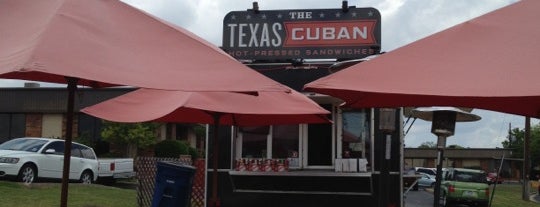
[[76, 150], [29, 145], [87, 152], [427, 171], [470, 177], [58, 147]]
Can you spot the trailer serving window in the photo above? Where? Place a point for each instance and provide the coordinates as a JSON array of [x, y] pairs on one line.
[[355, 136], [277, 141]]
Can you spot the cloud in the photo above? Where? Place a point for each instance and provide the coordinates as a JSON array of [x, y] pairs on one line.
[[489, 132], [403, 21]]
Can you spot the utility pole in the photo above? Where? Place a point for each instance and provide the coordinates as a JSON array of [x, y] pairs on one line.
[[526, 160]]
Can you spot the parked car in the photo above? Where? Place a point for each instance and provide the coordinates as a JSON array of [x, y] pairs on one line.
[[426, 180], [492, 178], [464, 186], [429, 171], [27, 159]]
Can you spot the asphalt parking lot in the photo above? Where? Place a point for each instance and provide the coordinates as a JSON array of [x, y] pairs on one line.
[[420, 198], [424, 198]]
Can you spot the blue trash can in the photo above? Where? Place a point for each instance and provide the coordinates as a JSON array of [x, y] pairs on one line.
[[173, 184]]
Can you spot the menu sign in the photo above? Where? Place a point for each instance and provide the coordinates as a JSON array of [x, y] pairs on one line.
[[304, 34]]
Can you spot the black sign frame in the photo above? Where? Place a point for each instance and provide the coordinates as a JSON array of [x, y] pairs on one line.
[[302, 34]]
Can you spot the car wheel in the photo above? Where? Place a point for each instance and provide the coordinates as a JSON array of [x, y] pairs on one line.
[[87, 177], [27, 174]]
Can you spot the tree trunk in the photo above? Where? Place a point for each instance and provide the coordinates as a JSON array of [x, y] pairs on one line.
[[131, 150]]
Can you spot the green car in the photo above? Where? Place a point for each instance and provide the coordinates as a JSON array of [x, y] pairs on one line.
[[464, 186]]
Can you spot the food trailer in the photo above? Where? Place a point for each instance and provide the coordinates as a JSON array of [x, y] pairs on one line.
[[355, 160]]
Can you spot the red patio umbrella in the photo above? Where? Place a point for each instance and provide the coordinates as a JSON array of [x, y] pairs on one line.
[[236, 109], [102, 43], [491, 62], [107, 43], [218, 108]]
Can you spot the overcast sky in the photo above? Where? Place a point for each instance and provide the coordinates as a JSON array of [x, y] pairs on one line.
[[403, 22]]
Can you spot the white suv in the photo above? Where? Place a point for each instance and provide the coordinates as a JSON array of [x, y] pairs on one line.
[[29, 158]]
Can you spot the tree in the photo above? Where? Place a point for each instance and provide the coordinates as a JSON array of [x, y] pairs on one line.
[[455, 146], [428, 144], [515, 141], [131, 135]]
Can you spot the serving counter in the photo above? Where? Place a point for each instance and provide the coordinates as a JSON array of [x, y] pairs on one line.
[[303, 182]]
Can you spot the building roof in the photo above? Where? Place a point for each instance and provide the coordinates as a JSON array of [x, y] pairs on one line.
[[52, 100], [482, 153]]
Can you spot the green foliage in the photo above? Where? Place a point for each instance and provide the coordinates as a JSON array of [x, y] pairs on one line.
[[141, 134], [171, 148], [84, 138], [455, 146], [194, 153], [428, 144], [111, 155], [200, 130], [518, 137]]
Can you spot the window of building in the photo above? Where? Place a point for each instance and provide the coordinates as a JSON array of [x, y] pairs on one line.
[[285, 141], [52, 125], [355, 139], [89, 127], [313, 146], [319, 145], [277, 142], [254, 141], [12, 126]]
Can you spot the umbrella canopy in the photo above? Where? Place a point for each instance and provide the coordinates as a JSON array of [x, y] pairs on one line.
[[490, 62], [218, 108], [101, 43], [107, 43], [237, 109]]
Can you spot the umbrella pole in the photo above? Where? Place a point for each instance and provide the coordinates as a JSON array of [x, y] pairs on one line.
[[214, 202], [72, 86]]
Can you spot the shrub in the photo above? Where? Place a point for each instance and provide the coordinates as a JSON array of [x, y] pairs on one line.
[[194, 153], [171, 148]]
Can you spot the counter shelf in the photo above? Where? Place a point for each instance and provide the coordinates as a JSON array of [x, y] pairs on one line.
[[302, 182]]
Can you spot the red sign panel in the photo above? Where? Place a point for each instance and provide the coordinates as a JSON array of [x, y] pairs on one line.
[[344, 33]]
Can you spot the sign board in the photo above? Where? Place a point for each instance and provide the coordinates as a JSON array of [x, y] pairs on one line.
[[302, 34]]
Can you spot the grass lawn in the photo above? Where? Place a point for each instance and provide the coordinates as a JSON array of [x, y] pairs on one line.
[[510, 195], [48, 194]]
